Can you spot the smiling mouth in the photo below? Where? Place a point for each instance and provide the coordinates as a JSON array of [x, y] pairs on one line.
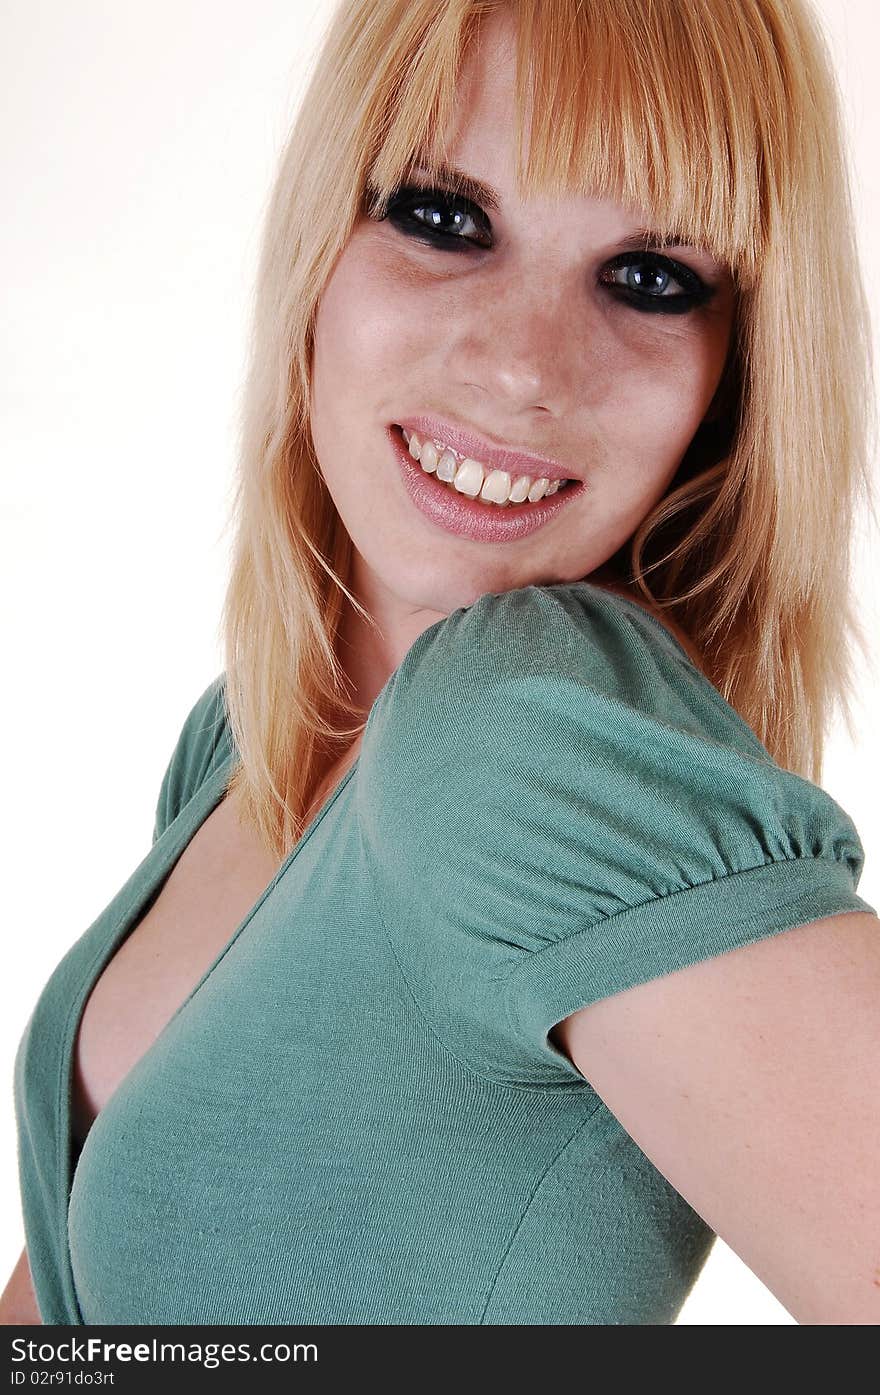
[[467, 516], [483, 484]]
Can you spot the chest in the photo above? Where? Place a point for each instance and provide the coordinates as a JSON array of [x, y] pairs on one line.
[[221, 874]]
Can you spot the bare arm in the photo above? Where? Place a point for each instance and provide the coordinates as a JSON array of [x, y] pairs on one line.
[[18, 1304], [750, 1081]]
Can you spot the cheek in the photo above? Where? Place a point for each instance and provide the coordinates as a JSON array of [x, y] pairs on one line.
[[652, 386], [363, 326]]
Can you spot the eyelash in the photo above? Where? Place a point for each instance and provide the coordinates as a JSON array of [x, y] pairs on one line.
[[401, 213]]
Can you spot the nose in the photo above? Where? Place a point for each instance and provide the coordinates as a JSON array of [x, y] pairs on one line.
[[517, 345]]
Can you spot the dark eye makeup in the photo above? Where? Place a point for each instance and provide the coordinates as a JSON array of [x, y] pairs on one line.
[[449, 222]]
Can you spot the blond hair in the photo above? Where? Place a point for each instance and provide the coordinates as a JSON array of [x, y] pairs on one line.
[[721, 118]]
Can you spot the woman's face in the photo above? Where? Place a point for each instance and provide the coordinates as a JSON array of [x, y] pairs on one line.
[[514, 325]]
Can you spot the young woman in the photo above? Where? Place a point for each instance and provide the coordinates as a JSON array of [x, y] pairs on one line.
[[453, 988]]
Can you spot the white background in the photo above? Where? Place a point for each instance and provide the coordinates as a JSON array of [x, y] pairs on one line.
[[137, 147]]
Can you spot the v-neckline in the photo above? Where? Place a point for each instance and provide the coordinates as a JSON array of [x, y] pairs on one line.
[[149, 877]]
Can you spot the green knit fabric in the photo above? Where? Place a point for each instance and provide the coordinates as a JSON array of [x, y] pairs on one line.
[[356, 1116]]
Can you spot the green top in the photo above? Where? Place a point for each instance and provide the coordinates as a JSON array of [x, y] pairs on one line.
[[356, 1115]]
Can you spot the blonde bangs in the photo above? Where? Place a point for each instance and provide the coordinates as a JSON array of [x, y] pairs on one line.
[[683, 112]]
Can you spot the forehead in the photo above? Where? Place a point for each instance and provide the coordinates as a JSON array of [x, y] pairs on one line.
[[480, 138], [482, 127], [567, 151], [481, 157]]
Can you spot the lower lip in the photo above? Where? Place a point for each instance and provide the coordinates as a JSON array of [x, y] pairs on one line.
[[474, 518]]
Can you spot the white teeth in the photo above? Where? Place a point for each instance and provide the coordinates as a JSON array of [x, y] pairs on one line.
[[469, 477], [428, 457], [447, 466], [496, 488]]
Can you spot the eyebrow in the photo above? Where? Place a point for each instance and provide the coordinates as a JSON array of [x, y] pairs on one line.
[[465, 184], [469, 187]]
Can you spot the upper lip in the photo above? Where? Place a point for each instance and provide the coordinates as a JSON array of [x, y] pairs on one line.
[[488, 452]]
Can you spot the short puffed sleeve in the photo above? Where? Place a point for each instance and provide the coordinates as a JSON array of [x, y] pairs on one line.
[[203, 743], [556, 805]]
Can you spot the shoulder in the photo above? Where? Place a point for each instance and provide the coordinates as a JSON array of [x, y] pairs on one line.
[[529, 621], [554, 743], [203, 742], [555, 805], [558, 658], [662, 618]]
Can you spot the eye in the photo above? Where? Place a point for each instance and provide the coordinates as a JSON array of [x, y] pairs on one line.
[[443, 219], [440, 218], [647, 277]]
